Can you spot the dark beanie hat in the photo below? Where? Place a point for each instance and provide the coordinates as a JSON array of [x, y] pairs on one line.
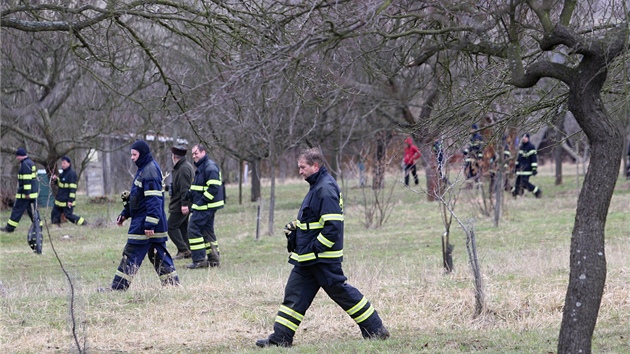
[[179, 150], [20, 152], [67, 159], [142, 147], [526, 135]]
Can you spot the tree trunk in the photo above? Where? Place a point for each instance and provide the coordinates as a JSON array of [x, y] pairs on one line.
[[587, 260], [255, 167], [378, 179], [557, 151], [272, 198]]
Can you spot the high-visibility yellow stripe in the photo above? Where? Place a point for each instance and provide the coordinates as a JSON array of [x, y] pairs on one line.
[[152, 193], [208, 206], [365, 315], [330, 254], [331, 217], [124, 276], [290, 325], [215, 182], [13, 223], [326, 242], [23, 196], [151, 220], [195, 187], [298, 316], [61, 204], [357, 307], [303, 257]]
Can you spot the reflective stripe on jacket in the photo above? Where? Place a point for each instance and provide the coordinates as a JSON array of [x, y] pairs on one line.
[[527, 160], [319, 235], [27, 180], [146, 204], [207, 187], [67, 183]]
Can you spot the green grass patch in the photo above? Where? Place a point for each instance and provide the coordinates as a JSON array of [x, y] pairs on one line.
[[524, 262]]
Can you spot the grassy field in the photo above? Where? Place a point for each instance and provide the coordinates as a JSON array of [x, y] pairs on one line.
[[524, 263]]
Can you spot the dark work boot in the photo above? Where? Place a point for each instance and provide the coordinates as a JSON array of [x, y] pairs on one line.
[[6, 229], [266, 342], [381, 333], [538, 194], [198, 265], [214, 257]]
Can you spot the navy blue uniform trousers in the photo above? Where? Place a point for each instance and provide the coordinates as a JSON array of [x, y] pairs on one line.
[[302, 286]]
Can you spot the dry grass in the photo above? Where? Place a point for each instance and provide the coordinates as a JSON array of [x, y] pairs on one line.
[[524, 264]]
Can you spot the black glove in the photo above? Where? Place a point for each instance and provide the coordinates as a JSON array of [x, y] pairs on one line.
[[534, 172], [291, 235]]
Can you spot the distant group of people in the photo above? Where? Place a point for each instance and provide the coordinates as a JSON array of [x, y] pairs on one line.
[[195, 198], [526, 164]]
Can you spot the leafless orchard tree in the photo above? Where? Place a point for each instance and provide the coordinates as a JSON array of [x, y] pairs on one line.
[[526, 36], [520, 47]]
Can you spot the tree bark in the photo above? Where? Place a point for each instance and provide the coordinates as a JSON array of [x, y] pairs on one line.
[[255, 168], [587, 258]]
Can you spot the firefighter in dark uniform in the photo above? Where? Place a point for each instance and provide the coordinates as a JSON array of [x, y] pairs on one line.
[[315, 241], [526, 166], [66, 194], [473, 153], [27, 190], [207, 196], [147, 230]]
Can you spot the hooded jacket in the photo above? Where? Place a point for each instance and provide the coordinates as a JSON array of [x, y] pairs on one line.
[[411, 152], [319, 237], [146, 202]]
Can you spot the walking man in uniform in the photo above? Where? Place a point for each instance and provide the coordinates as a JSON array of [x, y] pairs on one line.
[[206, 193], [66, 194], [315, 241], [26, 192], [147, 231], [181, 178], [526, 166]]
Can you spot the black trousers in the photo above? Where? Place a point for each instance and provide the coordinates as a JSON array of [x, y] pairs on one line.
[[411, 168], [201, 234], [301, 288], [19, 207], [522, 181], [178, 231], [55, 215], [132, 258]]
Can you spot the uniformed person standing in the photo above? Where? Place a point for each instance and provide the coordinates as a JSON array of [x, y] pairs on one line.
[[66, 194], [147, 230], [207, 195], [315, 241], [27, 190], [526, 166], [181, 178]]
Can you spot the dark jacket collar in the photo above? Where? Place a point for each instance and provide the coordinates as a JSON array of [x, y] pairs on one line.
[[312, 179], [201, 161]]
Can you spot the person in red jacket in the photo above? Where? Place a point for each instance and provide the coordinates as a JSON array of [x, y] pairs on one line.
[[411, 155]]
